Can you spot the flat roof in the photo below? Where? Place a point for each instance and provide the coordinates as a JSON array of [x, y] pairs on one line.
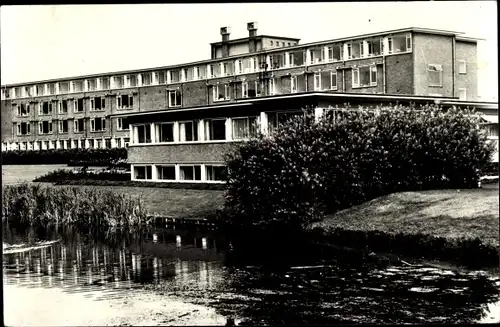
[[206, 61], [244, 39]]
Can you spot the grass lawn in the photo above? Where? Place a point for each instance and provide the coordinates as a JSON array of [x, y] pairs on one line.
[[173, 202], [445, 213]]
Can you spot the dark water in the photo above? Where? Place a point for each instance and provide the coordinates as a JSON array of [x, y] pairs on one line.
[[195, 267]]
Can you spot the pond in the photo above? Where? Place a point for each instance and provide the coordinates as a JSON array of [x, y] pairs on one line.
[[180, 277]]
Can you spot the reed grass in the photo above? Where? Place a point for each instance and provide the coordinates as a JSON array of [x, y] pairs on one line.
[[38, 205]]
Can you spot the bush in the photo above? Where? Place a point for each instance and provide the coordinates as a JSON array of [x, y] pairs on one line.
[[61, 175], [89, 157], [35, 205], [305, 167]]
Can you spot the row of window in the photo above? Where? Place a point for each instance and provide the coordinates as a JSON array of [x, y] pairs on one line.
[[175, 173], [46, 127], [292, 58], [67, 144]]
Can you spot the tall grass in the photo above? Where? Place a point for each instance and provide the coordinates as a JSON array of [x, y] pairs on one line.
[[37, 205]]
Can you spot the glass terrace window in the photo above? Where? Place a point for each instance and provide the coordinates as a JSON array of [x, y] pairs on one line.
[[77, 86], [214, 173], [215, 129], [296, 58], [142, 172], [92, 84], [188, 131], [164, 132], [175, 76], [243, 128], [190, 173], [40, 89], [143, 133], [166, 173]]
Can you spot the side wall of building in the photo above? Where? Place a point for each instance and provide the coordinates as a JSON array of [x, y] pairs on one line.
[[467, 52]]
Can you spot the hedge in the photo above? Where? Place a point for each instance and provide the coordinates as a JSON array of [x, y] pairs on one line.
[[306, 168], [89, 157]]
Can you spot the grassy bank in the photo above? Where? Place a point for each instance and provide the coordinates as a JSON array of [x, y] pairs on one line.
[[458, 225]]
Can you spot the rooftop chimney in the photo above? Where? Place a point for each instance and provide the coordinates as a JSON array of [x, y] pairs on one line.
[[225, 31], [252, 29]]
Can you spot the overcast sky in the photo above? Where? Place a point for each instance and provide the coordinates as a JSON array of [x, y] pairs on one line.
[[43, 42]]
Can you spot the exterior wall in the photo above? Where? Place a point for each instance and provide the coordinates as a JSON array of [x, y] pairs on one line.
[[151, 98], [6, 118], [466, 51], [178, 153], [432, 49], [239, 48], [399, 72]]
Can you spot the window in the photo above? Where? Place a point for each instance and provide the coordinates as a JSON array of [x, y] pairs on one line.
[[184, 74], [121, 126], [142, 172], [215, 129], [105, 83], [244, 128], [255, 66], [364, 76], [166, 173], [45, 127], [97, 103], [45, 108], [330, 53], [462, 67], [77, 86], [188, 131], [349, 51], [317, 81], [52, 88], [408, 41], [40, 89], [462, 94], [218, 94], [23, 128], [98, 124], [79, 125], [17, 92], [174, 98], [63, 126], [92, 84], [435, 74], [361, 49], [63, 106], [190, 173], [296, 58], [161, 77], [272, 86], [399, 43], [131, 80], [124, 101], [227, 69], [175, 76], [239, 66], [389, 44], [164, 132], [211, 71], [294, 84], [271, 42], [78, 105], [146, 78], [23, 110], [333, 80], [275, 119], [119, 82], [196, 73], [214, 173], [244, 90], [143, 133]]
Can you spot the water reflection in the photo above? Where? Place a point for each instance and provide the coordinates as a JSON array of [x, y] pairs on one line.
[[191, 266]]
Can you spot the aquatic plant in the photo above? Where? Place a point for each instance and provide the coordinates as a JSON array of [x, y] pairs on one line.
[[37, 205]]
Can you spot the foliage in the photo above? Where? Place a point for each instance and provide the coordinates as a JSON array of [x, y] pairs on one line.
[[65, 175], [89, 157], [36, 205], [307, 167]]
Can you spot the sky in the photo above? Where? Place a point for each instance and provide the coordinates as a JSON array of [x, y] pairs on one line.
[[40, 42]]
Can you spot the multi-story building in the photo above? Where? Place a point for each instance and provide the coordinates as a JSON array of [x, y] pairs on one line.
[[178, 120]]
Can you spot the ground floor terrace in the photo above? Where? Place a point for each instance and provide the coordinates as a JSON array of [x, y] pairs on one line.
[[188, 145]]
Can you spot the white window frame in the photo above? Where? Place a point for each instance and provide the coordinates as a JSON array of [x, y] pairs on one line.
[[462, 66], [195, 130], [272, 86], [176, 99], [333, 77], [145, 172], [40, 127], [438, 68], [390, 45], [408, 42], [210, 166], [194, 173], [119, 105], [349, 50], [75, 125], [119, 125], [158, 167], [61, 131], [248, 118], [362, 53], [103, 124], [373, 68], [157, 131], [329, 51], [317, 81], [76, 107], [227, 92], [196, 73], [355, 72], [92, 104], [209, 126], [60, 106], [28, 128]]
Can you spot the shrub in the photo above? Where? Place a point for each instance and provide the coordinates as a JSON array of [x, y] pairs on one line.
[[65, 175], [305, 167], [35, 205]]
